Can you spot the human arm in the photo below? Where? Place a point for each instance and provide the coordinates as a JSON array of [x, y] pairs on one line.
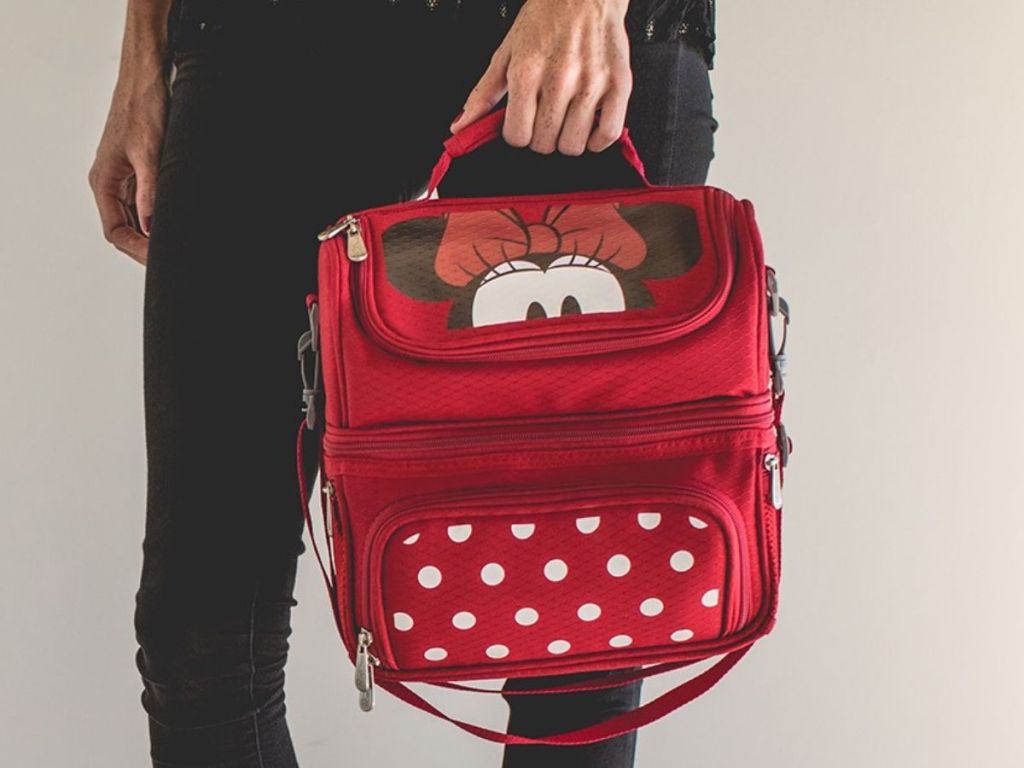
[[123, 174]]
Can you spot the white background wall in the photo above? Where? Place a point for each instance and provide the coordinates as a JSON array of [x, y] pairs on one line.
[[881, 144]]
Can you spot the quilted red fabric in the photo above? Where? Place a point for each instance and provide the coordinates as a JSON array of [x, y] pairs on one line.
[[552, 436]]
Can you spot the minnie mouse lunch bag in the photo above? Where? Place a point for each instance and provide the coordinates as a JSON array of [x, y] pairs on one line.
[[550, 439]]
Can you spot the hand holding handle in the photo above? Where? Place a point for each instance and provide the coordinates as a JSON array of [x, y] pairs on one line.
[[488, 128]]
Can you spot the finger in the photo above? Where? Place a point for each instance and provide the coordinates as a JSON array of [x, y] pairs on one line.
[[613, 115], [117, 227], [486, 93], [524, 79], [580, 120], [145, 193], [555, 96]]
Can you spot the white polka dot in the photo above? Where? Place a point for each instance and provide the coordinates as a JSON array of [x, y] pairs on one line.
[[682, 634], [652, 606], [589, 611], [710, 598], [556, 570], [429, 577], [526, 616], [558, 646], [649, 520], [459, 533], [412, 539], [620, 641], [587, 524], [523, 530], [497, 651], [403, 622], [492, 574], [435, 654], [618, 565], [696, 522], [464, 620], [681, 561]]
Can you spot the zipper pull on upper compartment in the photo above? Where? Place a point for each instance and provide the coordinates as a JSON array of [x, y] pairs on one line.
[[355, 246], [365, 662]]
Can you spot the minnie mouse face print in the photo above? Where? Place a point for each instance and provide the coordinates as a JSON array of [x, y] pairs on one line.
[[501, 266]]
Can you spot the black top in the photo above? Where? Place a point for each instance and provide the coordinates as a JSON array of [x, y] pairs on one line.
[[646, 20]]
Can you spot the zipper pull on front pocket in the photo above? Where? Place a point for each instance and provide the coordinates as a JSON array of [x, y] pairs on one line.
[[771, 463], [365, 662]]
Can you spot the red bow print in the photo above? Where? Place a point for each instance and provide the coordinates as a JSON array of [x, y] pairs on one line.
[[476, 241]]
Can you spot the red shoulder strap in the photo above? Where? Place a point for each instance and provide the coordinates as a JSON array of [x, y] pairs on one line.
[[616, 726]]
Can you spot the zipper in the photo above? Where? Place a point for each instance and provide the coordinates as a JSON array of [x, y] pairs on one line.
[[365, 662], [337, 227], [611, 430], [329, 511], [356, 226], [392, 517], [771, 463], [355, 245]]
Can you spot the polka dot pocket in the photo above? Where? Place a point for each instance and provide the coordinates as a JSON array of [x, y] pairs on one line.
[[578, 574]]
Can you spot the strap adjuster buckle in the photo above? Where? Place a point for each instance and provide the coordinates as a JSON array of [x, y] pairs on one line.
[[309, 342], [776, 353]]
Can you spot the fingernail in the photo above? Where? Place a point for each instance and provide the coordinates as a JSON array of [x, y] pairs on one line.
[[457, 118], [146, 221]]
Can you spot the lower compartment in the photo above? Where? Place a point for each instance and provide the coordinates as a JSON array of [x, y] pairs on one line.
[[573, 544]]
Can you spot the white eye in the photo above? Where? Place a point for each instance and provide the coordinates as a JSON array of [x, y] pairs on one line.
[[511, 289]]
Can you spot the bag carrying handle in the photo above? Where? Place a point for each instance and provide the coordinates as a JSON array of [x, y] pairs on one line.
[[488, 128]]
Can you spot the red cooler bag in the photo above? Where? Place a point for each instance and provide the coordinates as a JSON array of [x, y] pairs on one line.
[[550, 438]]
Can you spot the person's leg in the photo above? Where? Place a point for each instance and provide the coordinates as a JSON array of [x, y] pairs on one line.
[[242, 193]]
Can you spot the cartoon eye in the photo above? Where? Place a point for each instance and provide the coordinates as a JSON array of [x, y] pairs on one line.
[[571, 285]]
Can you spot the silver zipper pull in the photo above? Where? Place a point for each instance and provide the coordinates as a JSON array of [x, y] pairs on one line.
[[355, 247], [771, 463], [329, 512], [334, 230], [365, 662]]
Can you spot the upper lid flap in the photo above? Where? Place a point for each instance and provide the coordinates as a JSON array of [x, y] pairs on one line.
[[543, 275]]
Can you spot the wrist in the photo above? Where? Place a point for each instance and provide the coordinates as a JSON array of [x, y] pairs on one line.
[[144, 45]]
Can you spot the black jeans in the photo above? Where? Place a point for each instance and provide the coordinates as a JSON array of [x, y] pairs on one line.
[[277, 126]]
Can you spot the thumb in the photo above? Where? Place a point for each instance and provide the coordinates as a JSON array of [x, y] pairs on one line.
[[486, 93], [145, 192]]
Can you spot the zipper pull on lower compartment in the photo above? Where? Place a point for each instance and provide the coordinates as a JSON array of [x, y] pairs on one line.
[[771, 463], [365, 662], [329, 510]]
